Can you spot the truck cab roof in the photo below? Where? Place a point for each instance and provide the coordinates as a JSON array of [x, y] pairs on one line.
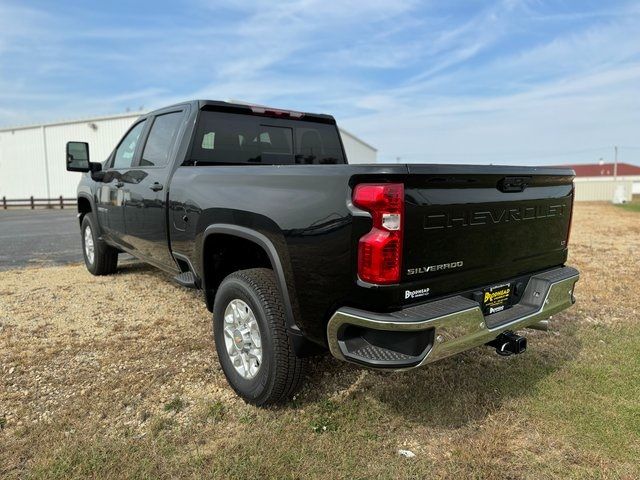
[[251, 109]]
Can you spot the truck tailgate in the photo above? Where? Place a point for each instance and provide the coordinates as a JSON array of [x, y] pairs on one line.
[[474, 226]]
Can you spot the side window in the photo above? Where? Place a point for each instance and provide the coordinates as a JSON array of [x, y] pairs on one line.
[[126, 149], [161, 139]]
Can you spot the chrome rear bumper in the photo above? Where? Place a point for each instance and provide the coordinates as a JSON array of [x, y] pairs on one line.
[[447, 326]]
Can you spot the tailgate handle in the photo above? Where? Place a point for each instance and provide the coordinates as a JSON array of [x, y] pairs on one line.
[[513, 184]]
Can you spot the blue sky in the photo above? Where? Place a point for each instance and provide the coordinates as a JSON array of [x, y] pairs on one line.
[[514, 81]]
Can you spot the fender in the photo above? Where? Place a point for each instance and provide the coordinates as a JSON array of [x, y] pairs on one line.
[[272, 253], [302, 346]]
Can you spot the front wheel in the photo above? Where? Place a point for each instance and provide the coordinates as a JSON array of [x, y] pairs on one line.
[[253, 347], [100, 258]]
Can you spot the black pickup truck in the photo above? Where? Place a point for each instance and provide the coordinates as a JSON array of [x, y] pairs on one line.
[[296, 252]]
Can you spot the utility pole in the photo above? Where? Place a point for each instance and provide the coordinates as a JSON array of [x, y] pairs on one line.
[[615, 164]]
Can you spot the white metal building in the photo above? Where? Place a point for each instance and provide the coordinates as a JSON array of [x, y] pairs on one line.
[[604, 181], [32, 158], [357, 150], [604, 189]]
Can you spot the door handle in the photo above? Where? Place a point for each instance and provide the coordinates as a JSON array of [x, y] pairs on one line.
[[156, 187], [119, 184]]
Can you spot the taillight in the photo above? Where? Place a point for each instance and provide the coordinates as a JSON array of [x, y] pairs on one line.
[[573, 195], [380, 250]]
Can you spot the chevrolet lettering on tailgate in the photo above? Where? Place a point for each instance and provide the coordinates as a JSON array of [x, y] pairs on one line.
[[470, 218]]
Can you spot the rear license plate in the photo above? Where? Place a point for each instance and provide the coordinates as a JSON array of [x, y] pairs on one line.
[[495, 299]]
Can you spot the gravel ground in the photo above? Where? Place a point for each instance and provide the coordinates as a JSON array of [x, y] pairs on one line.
[[130, 355]]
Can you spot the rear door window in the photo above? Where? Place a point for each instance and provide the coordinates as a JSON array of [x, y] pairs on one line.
[[225, 138], [161, 140]]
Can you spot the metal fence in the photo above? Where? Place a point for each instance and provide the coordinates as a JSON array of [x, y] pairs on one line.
[[34, 203]]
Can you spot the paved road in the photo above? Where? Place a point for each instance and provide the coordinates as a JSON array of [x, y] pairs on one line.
[[38, 237]]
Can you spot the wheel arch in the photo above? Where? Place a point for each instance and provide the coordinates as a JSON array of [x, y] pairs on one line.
[[86, 205], [211, 238]]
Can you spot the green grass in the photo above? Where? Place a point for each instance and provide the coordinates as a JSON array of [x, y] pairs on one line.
[[215, 411], [175, 405], [596, 399], [633, 206]]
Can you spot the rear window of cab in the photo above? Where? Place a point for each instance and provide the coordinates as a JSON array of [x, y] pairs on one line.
[[232, 139]]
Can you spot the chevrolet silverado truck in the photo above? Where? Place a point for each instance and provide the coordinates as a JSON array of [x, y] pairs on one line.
[[296, 252]]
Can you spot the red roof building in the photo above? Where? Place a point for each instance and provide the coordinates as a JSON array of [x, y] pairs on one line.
[[604, 170]]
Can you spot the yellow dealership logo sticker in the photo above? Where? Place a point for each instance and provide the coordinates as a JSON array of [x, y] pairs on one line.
[[497, 296]]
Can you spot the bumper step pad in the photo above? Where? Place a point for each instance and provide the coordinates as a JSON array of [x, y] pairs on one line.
[[379, 354]]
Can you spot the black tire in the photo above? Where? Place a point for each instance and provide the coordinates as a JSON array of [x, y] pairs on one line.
[[280, 373], [105, 258]]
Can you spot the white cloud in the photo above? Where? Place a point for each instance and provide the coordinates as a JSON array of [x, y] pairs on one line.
[[556, 123]]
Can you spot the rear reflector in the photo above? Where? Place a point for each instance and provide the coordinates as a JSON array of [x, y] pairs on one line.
[[380, 250]]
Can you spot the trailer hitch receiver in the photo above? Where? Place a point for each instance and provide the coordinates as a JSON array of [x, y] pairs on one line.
[[509, 343]]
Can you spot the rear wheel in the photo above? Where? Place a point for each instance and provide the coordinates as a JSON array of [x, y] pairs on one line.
[[100, 258], [253, 347]]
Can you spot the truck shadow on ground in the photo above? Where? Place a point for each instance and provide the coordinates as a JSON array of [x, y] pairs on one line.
[[457, 390], [129, 266]]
